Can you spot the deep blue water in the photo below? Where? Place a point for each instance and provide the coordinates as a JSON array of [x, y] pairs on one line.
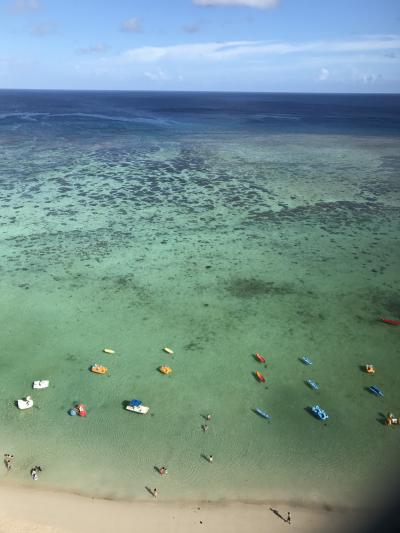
[[275, 112]]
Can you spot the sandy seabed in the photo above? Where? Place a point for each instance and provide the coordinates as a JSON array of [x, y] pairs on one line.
[[25, 510]]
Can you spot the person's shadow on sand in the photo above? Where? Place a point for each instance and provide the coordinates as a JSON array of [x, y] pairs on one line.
[[277, 513]]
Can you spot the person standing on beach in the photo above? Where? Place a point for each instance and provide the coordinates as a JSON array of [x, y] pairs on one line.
[[210, 458], [7, 459], [155, 493], [289, 519], [208, 417]]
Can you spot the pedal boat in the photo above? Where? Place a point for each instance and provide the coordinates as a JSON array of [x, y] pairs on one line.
[[136, 406], [41, 384], [391, 420], [369, 369], [25, 403], [99, 369], [165, 369]]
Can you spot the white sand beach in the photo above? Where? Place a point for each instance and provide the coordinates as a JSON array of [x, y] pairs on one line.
[[32, 510]]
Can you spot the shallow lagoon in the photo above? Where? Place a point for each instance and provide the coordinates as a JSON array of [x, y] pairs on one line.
[[218, 232]]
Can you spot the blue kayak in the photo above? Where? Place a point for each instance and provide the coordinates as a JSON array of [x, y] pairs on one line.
[[306, 360], [263, 413], [312, 384], [319, 413], [376, 390]]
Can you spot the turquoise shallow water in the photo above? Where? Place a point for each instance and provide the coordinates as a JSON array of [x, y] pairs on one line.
[[218, 241]]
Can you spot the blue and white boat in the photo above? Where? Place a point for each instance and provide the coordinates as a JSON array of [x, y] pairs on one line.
[[376, 390], [137, 407], [319, 413], [312, 384], [306, 360], [262, 413]]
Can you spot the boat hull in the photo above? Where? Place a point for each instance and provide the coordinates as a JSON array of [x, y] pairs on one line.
[[391, 322]]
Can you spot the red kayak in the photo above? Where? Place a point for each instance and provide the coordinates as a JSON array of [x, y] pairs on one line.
[[260, 376], [260, 358], [391, 322]]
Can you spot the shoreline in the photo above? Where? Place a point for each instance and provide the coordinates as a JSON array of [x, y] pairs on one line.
[[28, 509]]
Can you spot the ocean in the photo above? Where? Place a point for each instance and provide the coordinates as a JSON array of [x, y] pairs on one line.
[[219, 225]]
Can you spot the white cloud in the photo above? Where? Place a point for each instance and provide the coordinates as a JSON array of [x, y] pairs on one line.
[[230, 50], [131, 25], [259, 4], [158, 75], [323, 74], [20, 6], [97, 48]]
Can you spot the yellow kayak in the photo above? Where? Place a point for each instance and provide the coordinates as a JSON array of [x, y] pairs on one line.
[[165, 369], [108, 350], [168, 350], [99, 369]]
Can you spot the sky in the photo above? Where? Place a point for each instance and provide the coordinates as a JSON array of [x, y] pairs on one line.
[[201, 45]]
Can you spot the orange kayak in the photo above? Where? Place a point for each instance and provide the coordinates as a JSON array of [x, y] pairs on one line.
[[260, 376]]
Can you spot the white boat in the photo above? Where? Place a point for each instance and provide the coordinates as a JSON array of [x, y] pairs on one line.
[[25, 403], [108, 350], [41, 384], [141, 409]]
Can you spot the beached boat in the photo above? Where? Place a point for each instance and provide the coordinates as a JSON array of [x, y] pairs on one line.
[[168, 350], [260, 358], [262, 413], [306, 360], [312, 384], [41, 384], [369, 369], [108, 350], [319, 413], [165, 369], [25, 403], [391, 420], [260, 377], [391, 322], [376, 390], [99, 369], [136, 406]]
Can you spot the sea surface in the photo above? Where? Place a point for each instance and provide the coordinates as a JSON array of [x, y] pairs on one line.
[[218, 225]]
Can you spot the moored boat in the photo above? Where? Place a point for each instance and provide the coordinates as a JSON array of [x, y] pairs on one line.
[[136, 406], [41, 384], [260, 358], [260, 377], [99, 369], [312, 384], [168, 350], [25, 403], [165, 369], [80, 409], [319, 413], [376, 390], [262, 413], [391, 420], [369, 369], [306, 360], [108, 350], [389, 321]]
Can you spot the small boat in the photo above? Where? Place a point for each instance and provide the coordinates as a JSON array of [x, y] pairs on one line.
[[25, 403], [80, 409], [312, 384], [41, 384], [262, 413], [108, 350], [260, 358], [369, 369], [391, 322], [306, 360], [391, 420], [260, 377], [99, 369], [376, 390], [165, 369], [136, 406], [319, 413], [168, 350]]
